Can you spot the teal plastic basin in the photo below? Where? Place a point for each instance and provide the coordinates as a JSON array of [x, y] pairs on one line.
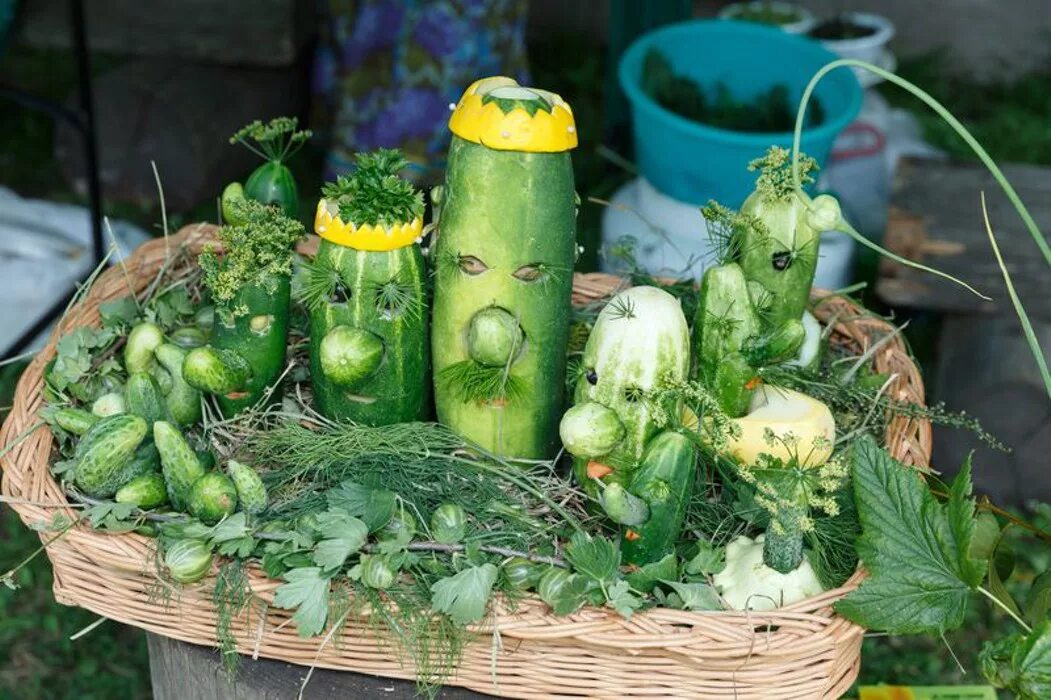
[[693, 162]]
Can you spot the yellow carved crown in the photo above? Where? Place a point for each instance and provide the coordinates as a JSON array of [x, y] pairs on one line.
[[493, 112], [329, 226]]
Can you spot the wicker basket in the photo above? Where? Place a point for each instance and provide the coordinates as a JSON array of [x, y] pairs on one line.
[[801, 651]]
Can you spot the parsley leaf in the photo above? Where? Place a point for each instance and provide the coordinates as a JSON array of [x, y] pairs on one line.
[[307, 591], [916, 549], [694, 596], [373, 506], [594, 557], [464, 596], [344, 535]]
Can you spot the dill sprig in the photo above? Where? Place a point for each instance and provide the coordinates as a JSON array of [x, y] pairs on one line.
[[231, 597], [277, 140], [473, 382], [255, 252], [775, 173], [321, 283], [395, 298], [374, 194]]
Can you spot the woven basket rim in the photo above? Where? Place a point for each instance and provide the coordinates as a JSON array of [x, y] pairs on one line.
[[27, 479]]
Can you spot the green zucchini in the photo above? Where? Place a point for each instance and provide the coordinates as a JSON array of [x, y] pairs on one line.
[[504, 261], [366, 292], [663, 481], [143, 398], [640, 339], [184, 401], [104, 452], [179, 463]]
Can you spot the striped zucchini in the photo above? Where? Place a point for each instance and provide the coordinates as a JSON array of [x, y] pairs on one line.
[[504, 259]]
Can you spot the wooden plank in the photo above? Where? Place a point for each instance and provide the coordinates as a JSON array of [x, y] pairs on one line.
[[181, 671], [260, 33], [936, 219]]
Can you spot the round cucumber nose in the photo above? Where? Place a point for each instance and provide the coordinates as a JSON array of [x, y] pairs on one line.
[[349, 355], [494, 337], [590, 430]]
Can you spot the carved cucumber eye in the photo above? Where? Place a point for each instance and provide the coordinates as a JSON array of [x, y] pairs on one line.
[[339, 294], [592, 377], [471, 265], [529, 273], [782, 260]]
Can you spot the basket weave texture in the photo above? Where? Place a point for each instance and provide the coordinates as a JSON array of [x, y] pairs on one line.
[[801, 651]]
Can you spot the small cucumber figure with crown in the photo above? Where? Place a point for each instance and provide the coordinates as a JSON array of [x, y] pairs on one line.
[[503, 263], [365, 290]]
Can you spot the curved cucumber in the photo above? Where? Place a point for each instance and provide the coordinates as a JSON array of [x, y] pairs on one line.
[[104, 453], [179, 463], [507, 241], [663, 481], [76, 421], [639, 338], [216, 371], [212, 497], [369, 354], [250, 489], [139, 347], [145, 491], [184, 401]]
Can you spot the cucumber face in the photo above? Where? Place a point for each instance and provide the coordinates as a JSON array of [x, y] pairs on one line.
[[369, 349], [507, 241], [639, 338]]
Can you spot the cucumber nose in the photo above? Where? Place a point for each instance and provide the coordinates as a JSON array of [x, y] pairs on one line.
[[590, 430], [349, 355], [494, 337]]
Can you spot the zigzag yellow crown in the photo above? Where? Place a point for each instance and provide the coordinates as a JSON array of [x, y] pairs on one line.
[[329, 226], [478, 117]]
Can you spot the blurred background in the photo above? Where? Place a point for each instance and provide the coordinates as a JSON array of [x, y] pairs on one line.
[[113, 108]]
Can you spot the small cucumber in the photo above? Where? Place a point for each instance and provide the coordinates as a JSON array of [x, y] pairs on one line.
[[74, 420], [184, 401], [179, 464], [144, 399], [216, 370], [775, 346], [110, 404], [105, 452], [145, 491], [250, 489], [189, 337], [205, 318], [212, 498], [138, 350], [162, 377], [623, 507], [663, 481]]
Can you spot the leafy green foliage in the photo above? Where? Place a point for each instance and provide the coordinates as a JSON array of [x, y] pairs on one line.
[[916, 549], [692, 596], [255, 252], [594, 557], [374, 506], [307, 590], [374, 194], [464, 596], [1021, 663], [343, 535]]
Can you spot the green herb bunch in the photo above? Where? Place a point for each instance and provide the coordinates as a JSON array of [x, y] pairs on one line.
[[775, 173], [374, 194], [276, 140]]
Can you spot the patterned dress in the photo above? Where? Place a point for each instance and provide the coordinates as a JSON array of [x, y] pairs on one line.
[[387, 70]]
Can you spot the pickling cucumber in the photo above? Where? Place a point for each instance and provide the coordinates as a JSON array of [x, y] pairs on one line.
[[504, 260], [184, 401], [179, 463], [145, 491], [143, 397], [104, 452]]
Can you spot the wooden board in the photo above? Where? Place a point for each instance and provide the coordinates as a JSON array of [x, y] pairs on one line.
[[260, 33], [182, 671], [936, 219]]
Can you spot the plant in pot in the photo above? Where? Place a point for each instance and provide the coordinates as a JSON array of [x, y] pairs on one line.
[[859, 35], [788, 16]]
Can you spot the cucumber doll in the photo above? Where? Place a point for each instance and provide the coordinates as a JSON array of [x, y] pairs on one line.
[[365, 290], [640, 471], [503, 268], [271, 183], [250, 285]]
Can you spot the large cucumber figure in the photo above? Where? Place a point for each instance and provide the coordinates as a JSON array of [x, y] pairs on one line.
[[503, 268], [639, 471], [365, 289], [250, 285]]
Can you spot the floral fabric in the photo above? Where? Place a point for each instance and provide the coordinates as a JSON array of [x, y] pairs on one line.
[[387, 71]]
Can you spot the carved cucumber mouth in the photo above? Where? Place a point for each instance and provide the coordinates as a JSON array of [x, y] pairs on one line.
[[358, 398]]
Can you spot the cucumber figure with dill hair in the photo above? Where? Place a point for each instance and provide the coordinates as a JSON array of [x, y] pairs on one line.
[[503, 260], [365, 290], [250, 284], [271, 183]]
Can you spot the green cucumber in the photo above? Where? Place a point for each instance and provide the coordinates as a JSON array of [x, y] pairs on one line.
[[369, 354], [189, 337], [145, 491], [778, 345], [76, 421], [272, 183], [102, 456], [251, 492], [663, 481], [143, 398], [639, 340], [216, 370], [212, 497], [179, 463], [184, 401], [622, 506], [505, 252], [109, 404], [138, 349], [162, 377]]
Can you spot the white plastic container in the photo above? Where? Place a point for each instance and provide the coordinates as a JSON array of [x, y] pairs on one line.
[[871, 48], [800, 26]]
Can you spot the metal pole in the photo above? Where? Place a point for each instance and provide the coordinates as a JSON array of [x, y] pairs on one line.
[[87, 109]]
